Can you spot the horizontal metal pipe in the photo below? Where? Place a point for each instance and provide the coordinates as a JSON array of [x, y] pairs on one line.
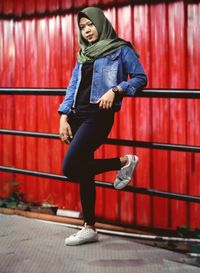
[[33, 91], [169, 93], [112, 141], [29, 134], [153, 145], [152, 192], [131, 235], [159, 93]]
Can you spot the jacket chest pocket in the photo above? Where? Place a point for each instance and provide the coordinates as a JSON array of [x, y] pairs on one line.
[[110, 75], [110, 69]]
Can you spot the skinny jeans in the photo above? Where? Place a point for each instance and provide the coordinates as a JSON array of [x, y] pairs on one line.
[[89, 132]]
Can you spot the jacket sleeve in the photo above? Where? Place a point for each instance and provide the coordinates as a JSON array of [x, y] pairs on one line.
[[66, 106], [133, 68]]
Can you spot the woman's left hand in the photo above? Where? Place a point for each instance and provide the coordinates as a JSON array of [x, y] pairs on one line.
[[106, 101]]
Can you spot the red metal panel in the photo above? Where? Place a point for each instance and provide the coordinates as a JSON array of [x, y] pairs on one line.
[[177, 42], [94, 3], [41, 52], [79, 4], [41, 6], [160, 115], [6, 145], [55, 67], [193, 108], [29, 6], [67, 48], [53, 5], [2, 179], [8, 6], [1, 50], [43, 110], [9, 54], [14, 7], [106, 2], [31, 56], [75, 33], [19, 110], [66, 4], [7, 104], [19, 7], [142, 117], [32, 104], [1, 6]]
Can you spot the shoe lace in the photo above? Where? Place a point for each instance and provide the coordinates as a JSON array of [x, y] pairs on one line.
[[122, 174], [83, 231]]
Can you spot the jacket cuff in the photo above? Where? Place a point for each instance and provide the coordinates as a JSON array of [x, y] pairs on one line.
[[64, 110], [124, 85], [128, 89]]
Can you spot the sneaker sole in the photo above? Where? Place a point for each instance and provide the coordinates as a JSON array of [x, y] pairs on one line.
[[121, 185]]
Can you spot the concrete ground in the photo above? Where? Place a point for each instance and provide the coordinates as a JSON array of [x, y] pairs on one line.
[[29, 245]]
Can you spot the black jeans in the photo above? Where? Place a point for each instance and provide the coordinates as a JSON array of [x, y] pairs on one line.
[[89, 132]]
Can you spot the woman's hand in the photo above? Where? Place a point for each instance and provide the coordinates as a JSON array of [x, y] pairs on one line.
[[106, 101], [65, 129]]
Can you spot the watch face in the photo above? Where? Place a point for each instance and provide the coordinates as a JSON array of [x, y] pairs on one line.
[[115, 89]]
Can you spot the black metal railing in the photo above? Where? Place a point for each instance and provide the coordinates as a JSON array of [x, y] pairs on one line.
[[113, 141], [151, 93], [148, 92]]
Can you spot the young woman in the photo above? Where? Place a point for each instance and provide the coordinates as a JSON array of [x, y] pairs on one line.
[[95, 93]]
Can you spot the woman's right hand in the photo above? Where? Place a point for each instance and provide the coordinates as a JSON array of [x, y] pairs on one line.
[[65, 129]]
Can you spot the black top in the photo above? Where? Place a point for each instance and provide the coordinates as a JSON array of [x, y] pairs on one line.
[[83, 104]]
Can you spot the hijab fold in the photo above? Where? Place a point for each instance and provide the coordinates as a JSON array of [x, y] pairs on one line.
[[108, 40]]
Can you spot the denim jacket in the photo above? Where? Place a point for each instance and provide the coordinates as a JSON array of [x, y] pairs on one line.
[[108, 71]]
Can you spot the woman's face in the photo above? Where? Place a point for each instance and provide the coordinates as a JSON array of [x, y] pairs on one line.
[[88, 30]]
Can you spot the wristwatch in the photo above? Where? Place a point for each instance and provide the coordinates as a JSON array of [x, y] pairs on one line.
[[115, 89]]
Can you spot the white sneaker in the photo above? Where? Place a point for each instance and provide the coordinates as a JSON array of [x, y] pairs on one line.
[[125, 173], [85, 235]]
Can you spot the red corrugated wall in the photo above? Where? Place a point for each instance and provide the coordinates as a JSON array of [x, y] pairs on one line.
[[40, 52]]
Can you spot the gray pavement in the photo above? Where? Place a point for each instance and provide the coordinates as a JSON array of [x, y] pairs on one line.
[[29, 245]]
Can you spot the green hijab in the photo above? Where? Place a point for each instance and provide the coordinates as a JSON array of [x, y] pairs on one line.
[[108, 40]]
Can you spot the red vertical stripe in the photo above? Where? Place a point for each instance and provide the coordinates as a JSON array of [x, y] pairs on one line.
[[55, 75], [193, 108], [178, 181], [43, 110], [160, 113], [7, 114], [66, 4], [142, 120], [31, 108], [19, 7], [41, 6], [8, 6], [19, 103], [29, 6]]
